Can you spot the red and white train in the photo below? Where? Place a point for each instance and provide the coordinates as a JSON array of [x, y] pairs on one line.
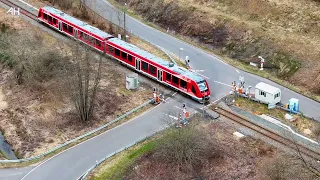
[[144, 62]]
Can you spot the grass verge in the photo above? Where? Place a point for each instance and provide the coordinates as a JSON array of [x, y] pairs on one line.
[[28, 163], [300, 124], [234, 63], [116, 166]]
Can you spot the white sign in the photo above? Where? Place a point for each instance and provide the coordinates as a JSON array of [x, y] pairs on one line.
[[14, 11]]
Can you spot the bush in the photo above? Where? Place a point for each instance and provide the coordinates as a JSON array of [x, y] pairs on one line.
[[187, 146], [284, 167]]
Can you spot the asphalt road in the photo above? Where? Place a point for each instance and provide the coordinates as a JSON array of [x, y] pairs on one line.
[[220, 75], [72, 163], [14, 173]]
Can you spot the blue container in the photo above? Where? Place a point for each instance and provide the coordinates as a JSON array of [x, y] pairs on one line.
[[294, 105]]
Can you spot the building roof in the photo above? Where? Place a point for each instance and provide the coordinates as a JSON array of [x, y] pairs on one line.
[[267, 88], [77, 22], [151, 57]]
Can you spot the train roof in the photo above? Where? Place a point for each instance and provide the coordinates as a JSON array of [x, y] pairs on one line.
[[77, 22], [179, 70]]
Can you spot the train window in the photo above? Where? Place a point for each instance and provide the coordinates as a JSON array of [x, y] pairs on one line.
[[49, 19], [153, 70], [98, 43], [168, 77], [111, 49], [54, 21], [175, 80], [45, 16], [194, 90], [144, 66], [70, 29], [65, 27], [129, 58], [183, 84], [81, 35], [124, 55], [117, 52], [92, 40], [86, 37]]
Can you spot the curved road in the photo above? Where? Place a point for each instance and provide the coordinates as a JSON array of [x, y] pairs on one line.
[[73, 162], [219, 73]]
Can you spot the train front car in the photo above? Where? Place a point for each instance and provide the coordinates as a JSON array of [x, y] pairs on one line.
[[204, 90]]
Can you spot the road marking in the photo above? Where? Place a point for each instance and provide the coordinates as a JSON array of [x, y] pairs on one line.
[[89, 139], [199, 74], [198, 70], [237, 71], [173, 117], [223, 83], [178, 107]]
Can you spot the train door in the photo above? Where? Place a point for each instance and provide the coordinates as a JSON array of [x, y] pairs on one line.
[[138, 64], [76, 33], [159, 74], [60, 26]]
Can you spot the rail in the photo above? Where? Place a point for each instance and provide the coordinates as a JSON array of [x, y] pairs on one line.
[[268, 133], [22, 10]]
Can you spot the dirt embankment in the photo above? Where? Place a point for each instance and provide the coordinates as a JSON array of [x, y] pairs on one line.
[[285, 33]]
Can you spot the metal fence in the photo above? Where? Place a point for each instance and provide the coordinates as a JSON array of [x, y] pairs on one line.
[[78, 138]]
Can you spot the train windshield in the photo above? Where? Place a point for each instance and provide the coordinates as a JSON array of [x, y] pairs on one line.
[[202, 85]]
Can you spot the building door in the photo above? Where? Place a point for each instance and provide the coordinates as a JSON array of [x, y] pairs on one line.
[[138, 64], [60, 26], [160, 74]]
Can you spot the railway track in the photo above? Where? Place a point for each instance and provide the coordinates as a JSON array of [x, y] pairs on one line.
[[235, 117], [284, 141], [23, 10]]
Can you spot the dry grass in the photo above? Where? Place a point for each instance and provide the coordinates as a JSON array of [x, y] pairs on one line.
[[232, 158], [243, 30], [37, 120]]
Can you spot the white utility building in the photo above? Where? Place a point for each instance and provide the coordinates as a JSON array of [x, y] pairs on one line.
[[267, 94]]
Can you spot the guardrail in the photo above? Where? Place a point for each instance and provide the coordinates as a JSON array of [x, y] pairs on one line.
[[83, 177], [78, 138]]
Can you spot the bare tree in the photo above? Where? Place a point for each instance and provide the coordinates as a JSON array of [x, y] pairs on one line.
[[84, 80]]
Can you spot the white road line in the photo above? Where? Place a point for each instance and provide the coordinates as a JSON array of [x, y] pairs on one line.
[[29, 5], [173, 117], [178, 107], [88, 140], [237, 71], [199, 74], [223, 83], [198, 70]]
